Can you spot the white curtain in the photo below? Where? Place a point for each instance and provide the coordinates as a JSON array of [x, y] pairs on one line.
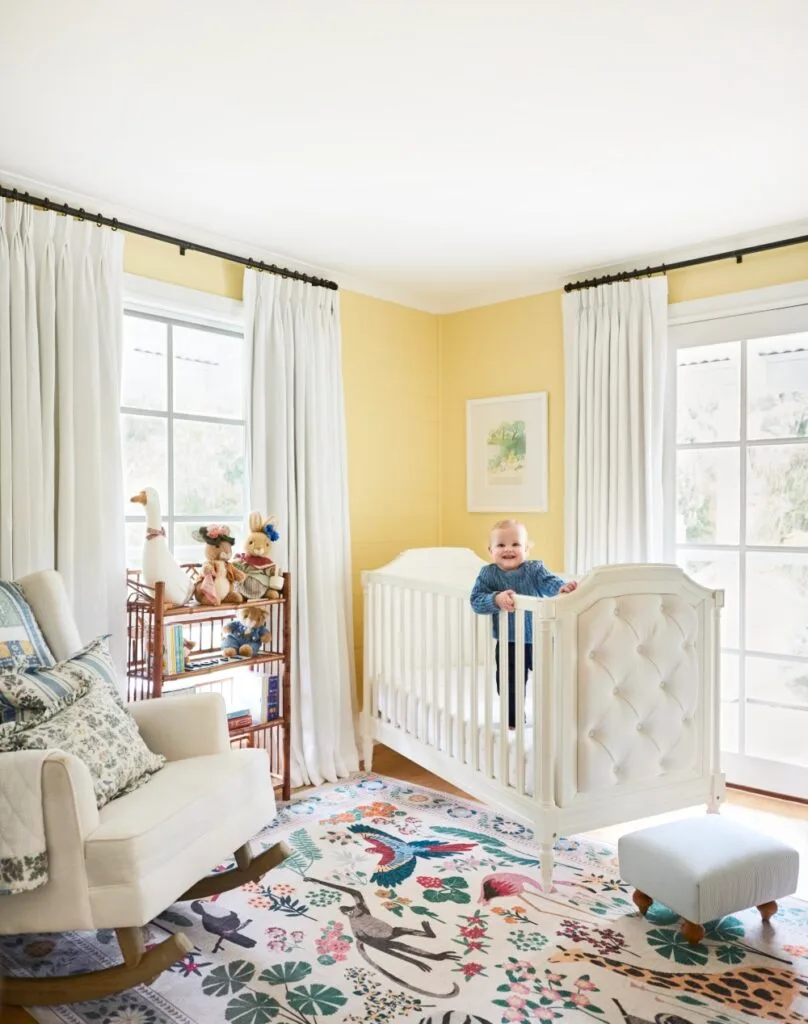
[[61, 481], [298, 472], [615, 366]]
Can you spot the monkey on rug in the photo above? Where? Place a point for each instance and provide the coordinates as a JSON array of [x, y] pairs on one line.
[[372, 931]]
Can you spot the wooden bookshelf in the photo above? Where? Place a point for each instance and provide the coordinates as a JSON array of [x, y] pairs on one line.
[[148, 618]]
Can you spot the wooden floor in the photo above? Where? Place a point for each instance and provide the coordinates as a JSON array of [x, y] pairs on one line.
[[784, 819]]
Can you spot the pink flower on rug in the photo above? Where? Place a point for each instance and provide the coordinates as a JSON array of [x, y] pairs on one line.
[[513, 1014], [800, 951], [521, 989], [473, 931], [471, 969], [332, 946], [543, 1013], [516, 1002], [429, 882], [579, 999], [555, 979], [586, 986]]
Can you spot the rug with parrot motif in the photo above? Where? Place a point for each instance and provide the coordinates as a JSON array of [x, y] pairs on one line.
[[403, 904]]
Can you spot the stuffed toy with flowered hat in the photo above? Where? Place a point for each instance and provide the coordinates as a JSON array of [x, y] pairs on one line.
[[217, 578]]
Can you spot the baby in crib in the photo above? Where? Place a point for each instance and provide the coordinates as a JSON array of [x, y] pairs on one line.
[[497, 585]]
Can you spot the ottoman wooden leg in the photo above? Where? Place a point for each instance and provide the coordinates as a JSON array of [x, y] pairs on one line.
[[767, 910], [642, 902], [692, 933]]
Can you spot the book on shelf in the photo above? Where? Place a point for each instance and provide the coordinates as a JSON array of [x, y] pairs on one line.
[[241, 719], [270, 697], [174, 651]]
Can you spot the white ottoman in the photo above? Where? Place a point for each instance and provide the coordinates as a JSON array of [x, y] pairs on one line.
[[705, 868]]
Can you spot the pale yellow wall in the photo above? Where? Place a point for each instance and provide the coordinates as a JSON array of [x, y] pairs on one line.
[[390, 370], [506, 349], [516, 347]]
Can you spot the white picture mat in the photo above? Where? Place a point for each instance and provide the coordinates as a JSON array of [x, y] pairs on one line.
[[524, 489]]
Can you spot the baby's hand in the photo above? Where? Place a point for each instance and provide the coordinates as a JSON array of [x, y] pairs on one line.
[[569, 587], [506, 600]]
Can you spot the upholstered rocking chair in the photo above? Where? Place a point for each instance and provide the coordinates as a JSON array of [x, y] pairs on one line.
[[121, 866]]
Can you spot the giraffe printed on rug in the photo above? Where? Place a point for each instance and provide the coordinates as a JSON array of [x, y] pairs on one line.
[[765, 992]]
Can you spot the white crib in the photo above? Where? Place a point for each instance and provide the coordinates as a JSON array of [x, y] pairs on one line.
[[621, 716]]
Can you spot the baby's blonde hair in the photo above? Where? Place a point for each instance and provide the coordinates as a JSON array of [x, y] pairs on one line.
[[503, 524]]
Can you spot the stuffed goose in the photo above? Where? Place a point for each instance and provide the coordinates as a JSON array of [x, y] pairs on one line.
[[158, 562]]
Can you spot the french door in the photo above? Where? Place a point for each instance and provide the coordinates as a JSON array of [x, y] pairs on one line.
[[742, 525]]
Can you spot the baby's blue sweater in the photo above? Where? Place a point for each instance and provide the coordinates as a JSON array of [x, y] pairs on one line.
[[530, 579]]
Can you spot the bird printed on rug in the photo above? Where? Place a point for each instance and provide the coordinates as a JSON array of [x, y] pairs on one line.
[[399, 857], [506, 884]]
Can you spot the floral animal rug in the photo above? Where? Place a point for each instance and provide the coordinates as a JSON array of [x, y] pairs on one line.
[[402, 904]]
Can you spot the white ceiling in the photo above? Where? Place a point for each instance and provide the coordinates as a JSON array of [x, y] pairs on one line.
[[445, 153]]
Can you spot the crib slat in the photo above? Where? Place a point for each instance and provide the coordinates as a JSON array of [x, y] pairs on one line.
[[475, 623], [538, 715], [460, 691], [519, 673], [388, 671], [504, 639], [434, 669], [547, 748], [488, 690], [378, 641], [446, 742], [423, 663], [399, 639]]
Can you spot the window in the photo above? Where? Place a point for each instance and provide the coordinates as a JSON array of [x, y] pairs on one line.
[[183, 427], [742, 525]]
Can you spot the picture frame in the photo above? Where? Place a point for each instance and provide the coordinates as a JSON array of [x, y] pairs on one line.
[[507, 453]]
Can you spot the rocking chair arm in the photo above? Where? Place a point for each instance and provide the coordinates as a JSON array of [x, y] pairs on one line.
[[188, 725]]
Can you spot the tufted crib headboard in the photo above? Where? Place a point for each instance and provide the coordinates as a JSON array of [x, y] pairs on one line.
[[636, 653]]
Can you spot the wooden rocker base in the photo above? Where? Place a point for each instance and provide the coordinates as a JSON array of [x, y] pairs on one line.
[[246, 870], [139, 966], [80, 988]]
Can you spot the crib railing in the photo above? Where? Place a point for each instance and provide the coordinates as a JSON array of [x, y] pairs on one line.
[[430, 674]]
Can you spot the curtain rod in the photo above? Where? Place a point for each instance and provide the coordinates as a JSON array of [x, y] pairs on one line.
[[663, 268], [183, 245]]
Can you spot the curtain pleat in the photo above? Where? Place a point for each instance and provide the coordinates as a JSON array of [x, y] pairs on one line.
[[298, 472], [615, 339], [61, 480]]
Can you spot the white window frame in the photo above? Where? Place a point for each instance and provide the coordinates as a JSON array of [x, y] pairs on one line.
[[175, 305], [782, 309]]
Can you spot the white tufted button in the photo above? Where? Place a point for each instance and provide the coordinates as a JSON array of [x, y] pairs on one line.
[[663, 685], [592, 655], [616, 691], [592, 734], [617, 612], [640, 727], [641, 649]]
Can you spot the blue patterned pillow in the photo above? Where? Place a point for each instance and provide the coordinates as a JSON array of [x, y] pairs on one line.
[[36, 694], [21, 640]]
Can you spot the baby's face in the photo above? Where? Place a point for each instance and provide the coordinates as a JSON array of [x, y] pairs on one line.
[[508, 546]]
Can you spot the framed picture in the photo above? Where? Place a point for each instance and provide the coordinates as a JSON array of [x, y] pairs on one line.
[[506, 451]]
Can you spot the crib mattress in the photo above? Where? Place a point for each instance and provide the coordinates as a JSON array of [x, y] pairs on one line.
[[433, 718]]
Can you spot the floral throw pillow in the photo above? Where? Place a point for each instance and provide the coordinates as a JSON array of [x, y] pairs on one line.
[[28, 695], [76, 707]]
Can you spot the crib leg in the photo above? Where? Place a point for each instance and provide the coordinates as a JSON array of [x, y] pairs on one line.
[[547, 860], [367, 752]]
